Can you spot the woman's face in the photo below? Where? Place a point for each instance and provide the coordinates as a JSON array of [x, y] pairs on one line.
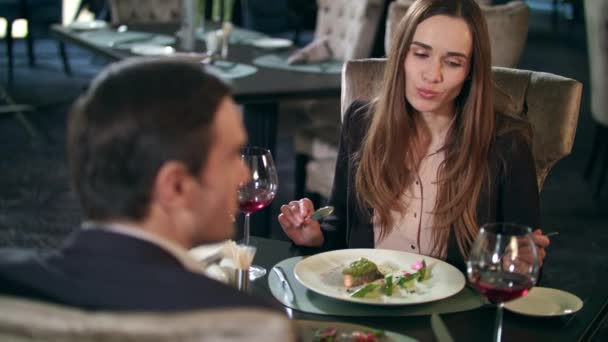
[[437, 64]]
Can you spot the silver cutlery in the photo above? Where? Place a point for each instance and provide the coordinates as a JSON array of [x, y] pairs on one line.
[[322, 213], [442, 334], [289, 294], [136, 39]]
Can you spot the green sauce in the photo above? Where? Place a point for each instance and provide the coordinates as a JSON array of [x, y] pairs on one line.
[[360, 268]]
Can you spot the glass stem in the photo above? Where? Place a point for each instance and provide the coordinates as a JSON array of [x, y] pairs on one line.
[[247, 232], [498, 324]]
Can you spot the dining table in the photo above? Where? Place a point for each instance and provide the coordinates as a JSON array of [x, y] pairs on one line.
[[470, 325], [259, 93]]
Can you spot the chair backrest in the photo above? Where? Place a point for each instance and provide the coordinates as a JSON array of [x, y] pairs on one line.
[[596, 20], [24, 320], [349, 25], [549, 102], [145, 11], [507, 26]]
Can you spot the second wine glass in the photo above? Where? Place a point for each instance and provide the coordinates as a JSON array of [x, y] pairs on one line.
[[503, 265], [258, 192]]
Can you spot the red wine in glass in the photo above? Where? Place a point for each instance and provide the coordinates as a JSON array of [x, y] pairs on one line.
[[258, 192], [503, 265], [500, 287], [261, 201]]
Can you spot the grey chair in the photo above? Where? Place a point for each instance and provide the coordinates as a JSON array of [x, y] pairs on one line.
[[596, 19], [145, 11], [350, 27], [12, 10], [23, 320], [550, 102]]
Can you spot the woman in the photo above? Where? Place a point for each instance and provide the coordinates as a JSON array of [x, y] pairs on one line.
[[422, 167]]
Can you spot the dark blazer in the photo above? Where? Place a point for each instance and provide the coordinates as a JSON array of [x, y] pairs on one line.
[[102, 270], [510, 196]]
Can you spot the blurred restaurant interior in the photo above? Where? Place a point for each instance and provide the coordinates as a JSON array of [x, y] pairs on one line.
[[47, 62]]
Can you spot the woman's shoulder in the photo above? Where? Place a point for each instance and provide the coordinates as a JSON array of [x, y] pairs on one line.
[[359, 113], [357, 119], [512, 133]]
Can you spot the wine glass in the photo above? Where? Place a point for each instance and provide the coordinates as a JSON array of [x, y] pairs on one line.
[[503, 265], [258, 192]]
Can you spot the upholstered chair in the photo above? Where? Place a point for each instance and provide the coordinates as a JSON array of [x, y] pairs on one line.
[[24, 320], [549, 102], [145, 11], [596, 19], [507, 25], [350, 27]]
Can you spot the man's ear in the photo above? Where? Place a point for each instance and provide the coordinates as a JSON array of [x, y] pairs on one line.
[[173, 185]]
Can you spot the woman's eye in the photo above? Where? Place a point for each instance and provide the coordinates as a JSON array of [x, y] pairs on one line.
[[420, 54], [453, 64]]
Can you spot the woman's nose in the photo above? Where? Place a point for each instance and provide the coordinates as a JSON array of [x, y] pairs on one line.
[[432, 72]]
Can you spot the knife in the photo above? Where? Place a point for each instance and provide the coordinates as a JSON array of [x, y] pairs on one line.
[[289, 294], [441, 332], [129, 40]]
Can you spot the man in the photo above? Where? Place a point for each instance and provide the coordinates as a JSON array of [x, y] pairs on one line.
[[154, 154]]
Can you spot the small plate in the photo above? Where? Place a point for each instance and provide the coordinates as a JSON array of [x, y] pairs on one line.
[[88, 25], [152, 50], [546, 302], [307, 330], [272, 43]]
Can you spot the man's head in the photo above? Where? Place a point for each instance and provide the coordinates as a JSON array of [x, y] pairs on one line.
[[156, 142]]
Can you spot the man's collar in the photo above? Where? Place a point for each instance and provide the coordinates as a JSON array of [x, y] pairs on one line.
[[174, 249]]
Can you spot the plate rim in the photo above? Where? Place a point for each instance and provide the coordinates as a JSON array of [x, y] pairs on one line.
[[308, 323], [367, 301], [286, 43], [135, 46], [96, 24], [578, 307]]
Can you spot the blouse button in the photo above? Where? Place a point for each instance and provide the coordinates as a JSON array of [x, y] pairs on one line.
[[417, 183], [413, 247], [415, 215]]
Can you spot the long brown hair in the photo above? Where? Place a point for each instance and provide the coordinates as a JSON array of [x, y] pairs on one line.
[[385, 170]]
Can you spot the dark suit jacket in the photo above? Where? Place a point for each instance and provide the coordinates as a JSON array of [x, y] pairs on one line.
[[102, 270], [510, 196]]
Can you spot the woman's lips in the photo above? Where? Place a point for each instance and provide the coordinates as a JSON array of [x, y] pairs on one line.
[[427, 93]]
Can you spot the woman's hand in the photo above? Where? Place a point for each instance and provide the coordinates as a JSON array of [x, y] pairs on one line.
[[296, 223], [542, 242]]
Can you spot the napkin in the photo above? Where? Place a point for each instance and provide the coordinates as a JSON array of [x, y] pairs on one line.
[[317, 51]]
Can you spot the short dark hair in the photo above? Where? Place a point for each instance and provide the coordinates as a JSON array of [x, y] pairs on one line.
[[136, 116]]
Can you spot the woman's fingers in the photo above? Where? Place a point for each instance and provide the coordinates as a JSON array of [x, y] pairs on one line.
[[292, 219]]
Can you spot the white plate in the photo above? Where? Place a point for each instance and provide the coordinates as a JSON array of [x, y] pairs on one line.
[[152, 50], [307, 330], [544, 301], [272, 43], [88, 25], [322, 273]]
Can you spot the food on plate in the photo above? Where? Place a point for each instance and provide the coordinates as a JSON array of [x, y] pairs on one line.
[[387, 285], [360, 272], [333, 335]]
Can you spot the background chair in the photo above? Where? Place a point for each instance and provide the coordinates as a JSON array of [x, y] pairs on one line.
[[350, 27], [145, 11], [596, 19], [24, 320], [507, 25], [549, 102], [12, 10]]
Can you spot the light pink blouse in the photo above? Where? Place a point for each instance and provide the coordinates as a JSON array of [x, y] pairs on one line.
[[412, 229]]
